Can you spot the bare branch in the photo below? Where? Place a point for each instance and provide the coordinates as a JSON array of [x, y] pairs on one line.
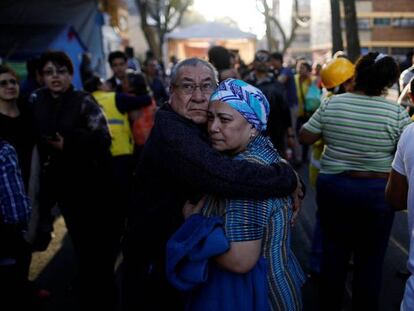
[[270, 20], [167, 15], [279, 26], [180, 11]]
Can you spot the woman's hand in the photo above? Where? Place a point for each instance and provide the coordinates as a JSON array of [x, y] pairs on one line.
[[191, 209]]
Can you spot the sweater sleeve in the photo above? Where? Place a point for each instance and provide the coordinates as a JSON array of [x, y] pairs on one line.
[[94, 137], [126, 103], [189, 157]]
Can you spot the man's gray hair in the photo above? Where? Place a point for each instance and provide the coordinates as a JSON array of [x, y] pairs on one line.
[[194, 61]]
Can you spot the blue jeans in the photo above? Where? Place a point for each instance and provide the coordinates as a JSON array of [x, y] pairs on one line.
[[354, 220], [315, 256]]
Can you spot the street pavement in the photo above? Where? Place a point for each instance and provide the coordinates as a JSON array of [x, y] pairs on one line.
[[395, 260], [55, 270]]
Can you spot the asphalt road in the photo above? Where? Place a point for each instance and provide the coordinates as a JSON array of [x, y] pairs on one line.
[[396, 257], [55, 270]]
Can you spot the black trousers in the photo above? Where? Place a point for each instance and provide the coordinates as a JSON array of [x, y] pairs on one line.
[[15, 257], [144, 283]]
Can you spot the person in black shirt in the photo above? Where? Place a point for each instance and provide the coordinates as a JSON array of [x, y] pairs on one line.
[[74, 142], [15, 122], [279, 127], [119, 65]]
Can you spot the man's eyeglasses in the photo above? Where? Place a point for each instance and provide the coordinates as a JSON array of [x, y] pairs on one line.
[[189, 88], [5, 83], [51, 72]]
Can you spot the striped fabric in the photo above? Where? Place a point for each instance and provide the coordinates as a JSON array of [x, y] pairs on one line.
[[360, 132], [269, 220], [248, 100]]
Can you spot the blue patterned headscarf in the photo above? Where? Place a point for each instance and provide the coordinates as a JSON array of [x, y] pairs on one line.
[[246, 99]]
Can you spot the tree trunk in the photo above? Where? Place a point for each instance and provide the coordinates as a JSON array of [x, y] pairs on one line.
[[352, 36], [149, 31], [160, 52], [271, 19], [337, 44], [271, 42]]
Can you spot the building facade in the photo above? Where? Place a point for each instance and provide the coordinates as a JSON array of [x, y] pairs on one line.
[[284, 11], [384, 26]]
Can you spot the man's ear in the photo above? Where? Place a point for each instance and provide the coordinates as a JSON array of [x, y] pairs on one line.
[[171, 88]]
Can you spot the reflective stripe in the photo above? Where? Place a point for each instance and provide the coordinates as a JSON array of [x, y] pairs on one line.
[[122, 142]]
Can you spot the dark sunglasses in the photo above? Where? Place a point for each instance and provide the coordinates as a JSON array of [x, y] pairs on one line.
[[4, 83]]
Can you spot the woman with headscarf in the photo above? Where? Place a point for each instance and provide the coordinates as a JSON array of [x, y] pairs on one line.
[[361, 130], [258, 231]]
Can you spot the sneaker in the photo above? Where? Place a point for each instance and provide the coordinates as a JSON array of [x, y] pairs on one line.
[[41, 294]]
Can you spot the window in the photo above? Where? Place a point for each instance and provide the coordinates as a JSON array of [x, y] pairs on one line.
[[364, 23], [403, 22], [382, 21], [401, 51], [380, 49]]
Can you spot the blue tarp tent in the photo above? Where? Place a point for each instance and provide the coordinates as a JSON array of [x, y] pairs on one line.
[[21, 42], [83, 15]]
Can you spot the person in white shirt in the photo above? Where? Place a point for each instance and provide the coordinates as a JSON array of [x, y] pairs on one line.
[[400, 194]]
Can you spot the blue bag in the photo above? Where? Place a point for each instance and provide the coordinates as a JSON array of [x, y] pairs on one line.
[[312, 98]]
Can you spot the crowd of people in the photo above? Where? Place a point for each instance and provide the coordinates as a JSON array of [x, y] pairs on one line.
[[190, 178]]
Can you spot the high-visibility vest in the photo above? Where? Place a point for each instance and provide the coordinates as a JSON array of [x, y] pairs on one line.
[[122, 142]]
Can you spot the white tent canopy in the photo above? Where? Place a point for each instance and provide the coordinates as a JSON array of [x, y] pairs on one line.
[[195, 40], [212, 30]]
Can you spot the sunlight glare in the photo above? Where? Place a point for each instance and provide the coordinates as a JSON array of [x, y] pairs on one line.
[[243, 12]]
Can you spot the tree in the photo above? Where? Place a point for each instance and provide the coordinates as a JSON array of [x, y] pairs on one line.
[[267, 13], [352, 35], [337, 44], [271, 21], [192, 17], [159, 17]]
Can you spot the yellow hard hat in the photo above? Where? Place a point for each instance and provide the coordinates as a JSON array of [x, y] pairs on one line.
[[336, 71]]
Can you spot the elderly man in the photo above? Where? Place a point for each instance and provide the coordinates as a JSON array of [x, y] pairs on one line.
[[177, 164]]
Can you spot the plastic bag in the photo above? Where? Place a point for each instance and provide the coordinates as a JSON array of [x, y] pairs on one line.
[[312, 98]]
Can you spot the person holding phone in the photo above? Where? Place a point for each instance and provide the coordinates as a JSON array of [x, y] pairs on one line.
[[74, 148]]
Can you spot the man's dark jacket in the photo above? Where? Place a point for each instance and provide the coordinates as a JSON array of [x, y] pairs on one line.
[[178, 164]]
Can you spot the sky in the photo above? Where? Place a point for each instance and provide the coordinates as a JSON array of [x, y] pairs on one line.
[[244, 12]]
